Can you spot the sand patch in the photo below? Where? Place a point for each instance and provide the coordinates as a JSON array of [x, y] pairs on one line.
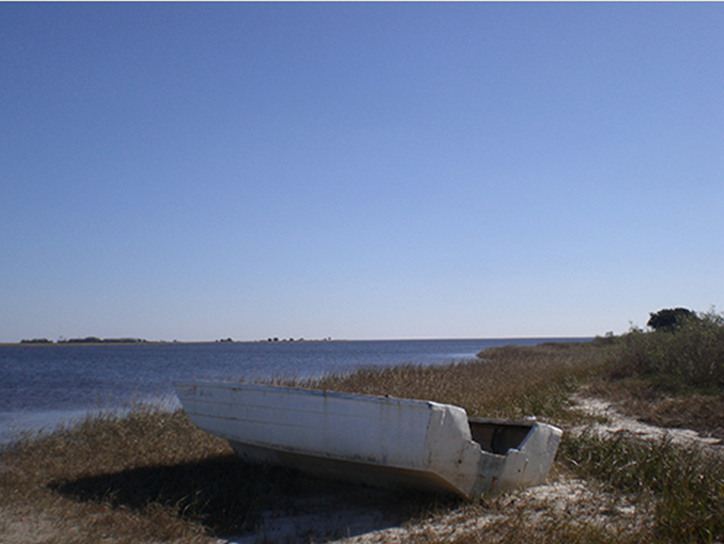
[[610, 420]]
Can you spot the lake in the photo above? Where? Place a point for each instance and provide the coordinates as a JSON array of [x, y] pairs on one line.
[[43, 385]]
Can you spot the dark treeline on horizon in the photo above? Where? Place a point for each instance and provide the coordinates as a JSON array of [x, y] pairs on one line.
[[86, 340], [97, 340]]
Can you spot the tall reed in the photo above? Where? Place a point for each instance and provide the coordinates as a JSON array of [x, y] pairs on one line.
[[508, 381]]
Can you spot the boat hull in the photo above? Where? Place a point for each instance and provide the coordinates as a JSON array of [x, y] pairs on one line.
[[345, 470], [374, 440]]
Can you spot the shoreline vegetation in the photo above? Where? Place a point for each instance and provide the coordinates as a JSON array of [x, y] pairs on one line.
[[149, 475], [98, 340], [86, 340], [92, 340]]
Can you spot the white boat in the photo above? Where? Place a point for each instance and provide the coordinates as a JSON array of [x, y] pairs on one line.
[[372, 439]]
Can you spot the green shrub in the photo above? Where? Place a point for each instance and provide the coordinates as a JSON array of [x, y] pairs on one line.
[[691, 356], [670, 319]]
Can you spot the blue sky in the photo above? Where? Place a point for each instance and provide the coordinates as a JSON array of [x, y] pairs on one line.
[[198, 171]]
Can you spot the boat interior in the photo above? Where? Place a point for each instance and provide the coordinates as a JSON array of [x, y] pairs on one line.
[[498, 436]]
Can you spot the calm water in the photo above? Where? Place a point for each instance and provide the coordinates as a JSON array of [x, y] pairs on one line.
[[42, 385]]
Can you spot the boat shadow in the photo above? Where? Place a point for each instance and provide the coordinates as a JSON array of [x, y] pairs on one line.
[[245, 502]]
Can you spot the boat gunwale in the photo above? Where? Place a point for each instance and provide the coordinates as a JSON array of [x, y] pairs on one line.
[[502, 421], [316, 392]]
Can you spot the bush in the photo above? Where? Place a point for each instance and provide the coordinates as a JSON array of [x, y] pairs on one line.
[[670, 319], [688, 356]]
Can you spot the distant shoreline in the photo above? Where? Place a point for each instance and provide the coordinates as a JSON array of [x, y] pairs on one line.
[[95, 341], [141, 341]]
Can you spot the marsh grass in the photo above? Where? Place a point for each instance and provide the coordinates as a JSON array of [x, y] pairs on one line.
[[684, 485], [562, 527], [106, 475], [687, 359], [508, 381]]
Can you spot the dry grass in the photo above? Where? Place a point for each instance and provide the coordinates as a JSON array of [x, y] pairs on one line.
[[104, 478], [507, 381], [152, 476], [682, 486]]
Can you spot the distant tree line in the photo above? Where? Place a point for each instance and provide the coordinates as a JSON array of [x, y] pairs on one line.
[[86, 340]]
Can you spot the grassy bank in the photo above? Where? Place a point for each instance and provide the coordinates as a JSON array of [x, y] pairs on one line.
[[670, 378], [151, 476], [507, 381]]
